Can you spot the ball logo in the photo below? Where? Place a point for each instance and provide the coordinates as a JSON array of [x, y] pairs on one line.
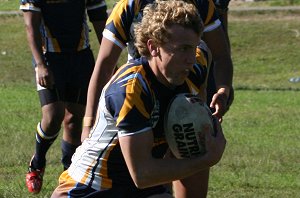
[[193, 100], [186, 140]]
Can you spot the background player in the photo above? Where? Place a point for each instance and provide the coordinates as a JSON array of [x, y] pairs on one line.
[[222, 10], [57, 34]]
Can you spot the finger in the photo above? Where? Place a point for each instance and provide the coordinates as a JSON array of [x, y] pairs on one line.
[[41, 82], [213, 101], [218, 112], [221, 119]]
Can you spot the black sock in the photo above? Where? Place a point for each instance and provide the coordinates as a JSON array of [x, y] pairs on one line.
[[67, 152], [42, 145]]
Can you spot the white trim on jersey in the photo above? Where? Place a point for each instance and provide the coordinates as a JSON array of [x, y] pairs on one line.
[[110, 36], [29, 6], [212, 26]]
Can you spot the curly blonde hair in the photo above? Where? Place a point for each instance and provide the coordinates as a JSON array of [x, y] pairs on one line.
[[159, 16]]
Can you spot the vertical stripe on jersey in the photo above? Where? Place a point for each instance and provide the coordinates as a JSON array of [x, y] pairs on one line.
[[106, 182], [114, 16], [211, 11], [51, 44]]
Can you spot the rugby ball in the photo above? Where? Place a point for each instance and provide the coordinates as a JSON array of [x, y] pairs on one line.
[[186, 118]]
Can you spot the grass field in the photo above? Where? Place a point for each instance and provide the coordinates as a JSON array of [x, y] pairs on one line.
[[262, 158]]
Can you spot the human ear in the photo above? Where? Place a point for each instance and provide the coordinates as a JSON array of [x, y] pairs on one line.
[[153, 49], [155, 52]]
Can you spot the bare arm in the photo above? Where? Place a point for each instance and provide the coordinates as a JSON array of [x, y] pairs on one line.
[[223, 70], [202, 91], [32, 21], [147, 171], [104, 67]]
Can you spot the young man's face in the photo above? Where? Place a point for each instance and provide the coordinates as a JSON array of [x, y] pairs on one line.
[[178, 56]]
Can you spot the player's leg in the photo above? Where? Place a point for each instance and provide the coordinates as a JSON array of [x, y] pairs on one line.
[[79, 72], [195, 186], [72, 131], [48, 128], [46, 132]]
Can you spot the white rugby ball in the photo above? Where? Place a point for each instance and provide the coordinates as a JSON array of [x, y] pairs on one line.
[[186, 118]]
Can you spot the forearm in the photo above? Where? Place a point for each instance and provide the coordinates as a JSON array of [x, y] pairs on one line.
[[147, 171], [101, 74], [160, 171], [104, 67], [223, 72], [32, 24], [223, 67], [94, 91]]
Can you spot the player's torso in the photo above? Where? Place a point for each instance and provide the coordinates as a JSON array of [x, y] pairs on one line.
[[65, 23], [132, 102], [64, 27]]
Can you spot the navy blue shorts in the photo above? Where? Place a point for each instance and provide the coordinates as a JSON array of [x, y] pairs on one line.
[[68, 187], [72, 73]]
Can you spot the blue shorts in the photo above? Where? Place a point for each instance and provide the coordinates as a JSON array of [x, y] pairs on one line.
[[72, 72]]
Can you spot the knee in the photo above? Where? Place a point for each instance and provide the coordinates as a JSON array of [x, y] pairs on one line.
[[73, 122]]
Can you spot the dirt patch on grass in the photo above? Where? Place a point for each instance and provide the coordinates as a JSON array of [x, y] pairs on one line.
[[263, 15]]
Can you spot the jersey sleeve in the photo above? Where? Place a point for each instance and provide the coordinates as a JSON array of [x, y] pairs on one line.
[[30, 5], [97, 10], [120, 20], [208, 14], [129, 102]]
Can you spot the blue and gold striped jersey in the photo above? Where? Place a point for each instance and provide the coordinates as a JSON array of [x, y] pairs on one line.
[[64, 26], [132, 102], [119, 26]]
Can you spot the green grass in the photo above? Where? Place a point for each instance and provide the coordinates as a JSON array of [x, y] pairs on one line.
[[259, 3], [262, 127], [262, 156], [9, 5], [265, 51]]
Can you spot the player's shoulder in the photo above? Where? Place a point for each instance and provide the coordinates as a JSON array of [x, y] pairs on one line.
[[132, 5], [131, 77], [31, 5]]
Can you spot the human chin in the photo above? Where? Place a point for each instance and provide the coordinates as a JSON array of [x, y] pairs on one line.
[[174, 82]]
